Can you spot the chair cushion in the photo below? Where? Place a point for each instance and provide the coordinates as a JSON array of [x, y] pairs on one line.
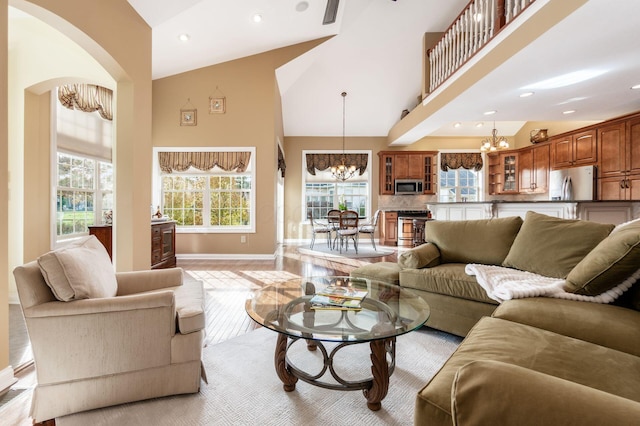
[[551, 246], [81, 270], [613, 260], [190, 306]]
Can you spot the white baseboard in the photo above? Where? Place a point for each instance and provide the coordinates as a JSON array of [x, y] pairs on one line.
[[216, 256], [6, 379]]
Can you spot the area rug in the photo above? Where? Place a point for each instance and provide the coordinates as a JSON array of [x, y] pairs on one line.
[[364, 251], [244, 389]]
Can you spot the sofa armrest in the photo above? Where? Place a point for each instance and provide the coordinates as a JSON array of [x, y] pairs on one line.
[[492, 392], [141, 281], [423, 256]]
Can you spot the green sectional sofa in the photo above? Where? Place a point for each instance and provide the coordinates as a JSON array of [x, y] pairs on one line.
[[533, 360]]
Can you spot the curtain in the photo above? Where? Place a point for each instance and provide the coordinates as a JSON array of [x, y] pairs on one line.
[[282, 166], [87, 98], [325, 161], [181, 161], [456, 160]]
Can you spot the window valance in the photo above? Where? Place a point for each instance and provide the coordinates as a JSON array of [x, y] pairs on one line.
[[456, 160], [325, 161], [87, 98], [282, 166], [181, 161]]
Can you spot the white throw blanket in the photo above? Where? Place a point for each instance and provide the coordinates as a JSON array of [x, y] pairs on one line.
[[505, 283]]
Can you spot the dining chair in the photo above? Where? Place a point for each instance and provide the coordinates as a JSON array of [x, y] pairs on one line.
[[319, 228], [348, 229], [333, 219], [369, 227]]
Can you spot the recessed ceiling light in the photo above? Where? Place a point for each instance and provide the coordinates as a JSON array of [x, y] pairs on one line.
[[479, 124], [526, 94], [490, 112], [257, 18], [302, 6], [637, 86], [184, 37], [571, 111], [457, 125]]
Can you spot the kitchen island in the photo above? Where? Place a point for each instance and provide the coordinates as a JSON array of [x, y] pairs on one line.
[[596, 211]]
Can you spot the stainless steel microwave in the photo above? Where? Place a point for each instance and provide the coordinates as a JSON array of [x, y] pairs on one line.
[[408, 186]]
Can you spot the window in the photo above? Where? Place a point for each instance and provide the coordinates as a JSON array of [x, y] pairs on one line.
[[216, 200], [322, 192], [84, 192], [460, 185], [207, 200]]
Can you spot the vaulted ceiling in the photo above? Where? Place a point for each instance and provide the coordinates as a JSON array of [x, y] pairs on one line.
[[375, 56]]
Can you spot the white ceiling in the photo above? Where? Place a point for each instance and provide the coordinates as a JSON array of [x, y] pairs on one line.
[[376, 58]]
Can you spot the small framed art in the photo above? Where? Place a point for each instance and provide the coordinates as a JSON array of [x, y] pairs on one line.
[[217, 105], [188, 117]]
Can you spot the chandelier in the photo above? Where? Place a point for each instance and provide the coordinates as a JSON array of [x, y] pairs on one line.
[[342, 171], [494, 142]]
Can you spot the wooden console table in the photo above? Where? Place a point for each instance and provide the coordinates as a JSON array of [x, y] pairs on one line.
[[163, 242]]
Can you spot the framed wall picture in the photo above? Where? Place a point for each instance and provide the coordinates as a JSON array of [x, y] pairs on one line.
[[217, 105], [188, 117]]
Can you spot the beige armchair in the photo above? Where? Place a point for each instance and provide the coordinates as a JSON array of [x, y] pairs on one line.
[[144, 341]]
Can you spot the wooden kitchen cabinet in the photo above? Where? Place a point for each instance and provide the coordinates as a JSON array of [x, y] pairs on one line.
[[387, 175], [407, 165], [577, 149], [619, 151], [533, 169], [163, 245], [503, 173], [389, 229]]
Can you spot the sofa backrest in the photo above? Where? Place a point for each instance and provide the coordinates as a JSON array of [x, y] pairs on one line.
[[485, 241]]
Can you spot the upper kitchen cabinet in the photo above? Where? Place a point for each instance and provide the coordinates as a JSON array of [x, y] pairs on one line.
[[533, 167], [407, 165], [503, 172], [576, 149], [619, 151]]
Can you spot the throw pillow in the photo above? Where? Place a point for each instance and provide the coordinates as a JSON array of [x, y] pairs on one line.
[[485, 241], [612, 261], [551, 246], [81, 270], [423, 256]]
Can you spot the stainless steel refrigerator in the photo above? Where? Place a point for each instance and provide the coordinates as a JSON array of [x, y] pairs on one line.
[[575, 183]]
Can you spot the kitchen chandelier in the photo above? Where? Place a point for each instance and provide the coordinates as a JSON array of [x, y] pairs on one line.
[[343, 172], [494, 142]]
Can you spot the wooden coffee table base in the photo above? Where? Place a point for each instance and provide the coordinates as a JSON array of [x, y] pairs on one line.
[[374, 388]]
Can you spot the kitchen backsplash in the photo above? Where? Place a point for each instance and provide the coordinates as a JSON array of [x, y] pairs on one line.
[[405, 202]]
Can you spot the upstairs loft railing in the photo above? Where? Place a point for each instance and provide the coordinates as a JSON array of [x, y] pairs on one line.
[[478, 23]]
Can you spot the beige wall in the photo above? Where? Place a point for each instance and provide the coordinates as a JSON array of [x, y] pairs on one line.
[[253, 118], [4, 191], [123, 60]]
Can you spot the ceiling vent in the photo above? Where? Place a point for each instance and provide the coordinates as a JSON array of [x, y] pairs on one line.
[[330, 12]]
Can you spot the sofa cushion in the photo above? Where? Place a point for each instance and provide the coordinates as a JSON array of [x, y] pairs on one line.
[[551, 246], [612, 261], [388, 272], [484, 241], [423, 256], [536, 349], [591, 322], [448, 278], [81, 270]]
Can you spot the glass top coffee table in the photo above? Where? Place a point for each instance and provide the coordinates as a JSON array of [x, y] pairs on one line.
[[387, 311]]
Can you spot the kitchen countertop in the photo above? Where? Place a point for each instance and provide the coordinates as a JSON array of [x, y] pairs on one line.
[[529, 202]]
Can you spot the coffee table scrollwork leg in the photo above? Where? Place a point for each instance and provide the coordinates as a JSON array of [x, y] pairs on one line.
[[380, 371], [288, 379]]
